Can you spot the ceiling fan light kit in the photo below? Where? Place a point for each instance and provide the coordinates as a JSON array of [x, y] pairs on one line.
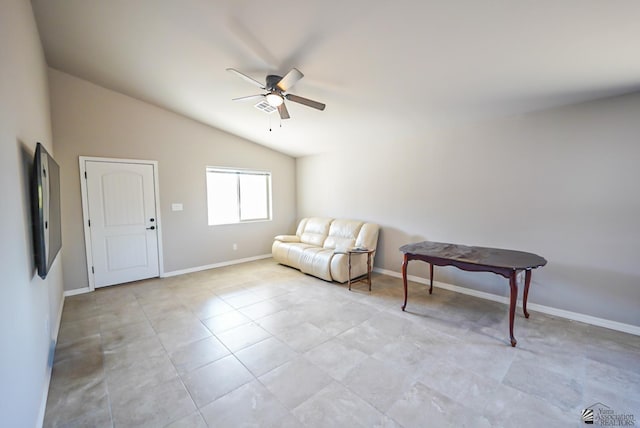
[[277, 87], [274, 99]]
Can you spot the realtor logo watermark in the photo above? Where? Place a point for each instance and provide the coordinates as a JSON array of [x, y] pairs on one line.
[[601, 415]]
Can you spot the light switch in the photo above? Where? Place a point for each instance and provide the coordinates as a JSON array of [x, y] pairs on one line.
[[176, 207]]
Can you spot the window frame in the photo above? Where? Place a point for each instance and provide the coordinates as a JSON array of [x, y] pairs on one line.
[[238, 172]]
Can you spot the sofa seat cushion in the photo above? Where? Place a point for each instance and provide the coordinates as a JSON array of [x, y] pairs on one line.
[[316, 261], [289, 253]]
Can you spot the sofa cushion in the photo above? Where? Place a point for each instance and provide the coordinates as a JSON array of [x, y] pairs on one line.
[[368, 236], [295, 251], [315, 231], [342, 234], [301, 226], [316, 261]]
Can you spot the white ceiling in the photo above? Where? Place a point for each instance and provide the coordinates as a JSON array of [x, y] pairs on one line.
[[387, 70]]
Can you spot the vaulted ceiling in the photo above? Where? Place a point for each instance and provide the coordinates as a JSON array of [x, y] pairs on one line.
[[387, 70]]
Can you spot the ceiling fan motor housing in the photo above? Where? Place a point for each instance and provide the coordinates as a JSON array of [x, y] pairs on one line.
[[272, 82]]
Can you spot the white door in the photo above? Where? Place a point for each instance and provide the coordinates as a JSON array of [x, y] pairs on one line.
[[122, 221]]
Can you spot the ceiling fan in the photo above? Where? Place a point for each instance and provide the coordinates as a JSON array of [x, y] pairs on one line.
[[277, 87]]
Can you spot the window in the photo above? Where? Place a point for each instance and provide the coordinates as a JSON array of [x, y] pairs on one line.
[[236, 196]]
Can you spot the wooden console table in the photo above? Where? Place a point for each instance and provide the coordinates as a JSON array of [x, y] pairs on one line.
[[507, 263]]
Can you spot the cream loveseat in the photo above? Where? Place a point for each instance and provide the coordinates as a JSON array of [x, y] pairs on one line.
[[317, 245]]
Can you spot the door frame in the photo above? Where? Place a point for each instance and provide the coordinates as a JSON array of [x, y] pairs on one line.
[[85, 210]]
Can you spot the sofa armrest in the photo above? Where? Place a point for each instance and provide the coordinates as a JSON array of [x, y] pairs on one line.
[[287, 238]]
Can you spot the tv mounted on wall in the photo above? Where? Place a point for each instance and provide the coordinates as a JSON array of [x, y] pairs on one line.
[[45, 203]]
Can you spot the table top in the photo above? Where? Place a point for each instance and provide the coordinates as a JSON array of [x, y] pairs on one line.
[[354, 251], [481, 256]]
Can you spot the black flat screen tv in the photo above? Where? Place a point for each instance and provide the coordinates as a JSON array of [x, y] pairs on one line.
[[45, 204]]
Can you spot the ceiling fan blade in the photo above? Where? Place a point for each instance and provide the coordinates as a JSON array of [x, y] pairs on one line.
[[284, 113], [307, 102], [290, 79], [247, 78], [250, 97]]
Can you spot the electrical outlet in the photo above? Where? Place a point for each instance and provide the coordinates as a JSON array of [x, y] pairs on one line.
[[235, 247]]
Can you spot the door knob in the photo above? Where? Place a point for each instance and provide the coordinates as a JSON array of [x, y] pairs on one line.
[[151, 228]]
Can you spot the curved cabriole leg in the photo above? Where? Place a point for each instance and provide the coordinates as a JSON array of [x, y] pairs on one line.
[[512, 306], [404, 280], [431, 278], [527, 281]]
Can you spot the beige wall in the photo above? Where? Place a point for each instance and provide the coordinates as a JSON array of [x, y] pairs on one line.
[[89, 120], [562, 183], [29, 306]]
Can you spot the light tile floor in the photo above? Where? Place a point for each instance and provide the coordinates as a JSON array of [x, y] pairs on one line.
[[260, 344]]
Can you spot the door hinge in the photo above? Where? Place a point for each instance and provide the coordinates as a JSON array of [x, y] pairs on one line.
[[89, 221], [85, 175], [93, 270]]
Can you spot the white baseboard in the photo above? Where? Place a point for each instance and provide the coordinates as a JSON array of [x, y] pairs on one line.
[[82, 290], [215, 265], [575, 316]]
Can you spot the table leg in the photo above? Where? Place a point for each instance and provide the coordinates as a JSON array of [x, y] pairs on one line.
[[369, 269], [527, 281], [404, 280], [513, 285], [431, 278], [349, 263]]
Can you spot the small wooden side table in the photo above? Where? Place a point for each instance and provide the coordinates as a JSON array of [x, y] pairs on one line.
[[366, 276]]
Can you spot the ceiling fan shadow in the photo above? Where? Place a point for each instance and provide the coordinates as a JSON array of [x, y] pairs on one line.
[[252, 43], [273, 65]]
